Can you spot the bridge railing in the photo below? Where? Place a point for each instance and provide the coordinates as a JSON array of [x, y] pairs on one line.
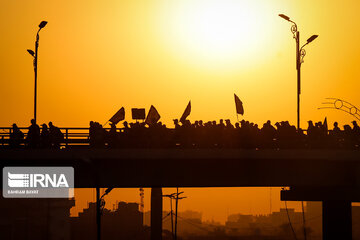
[[72, 135], [80, 137]]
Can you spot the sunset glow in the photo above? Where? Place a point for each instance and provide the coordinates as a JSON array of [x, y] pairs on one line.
[[98, 56], [217, 31]]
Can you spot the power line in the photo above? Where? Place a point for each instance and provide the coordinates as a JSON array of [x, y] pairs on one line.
[[165, 216], [195, 225], [303, 216], [174, 196], [290, 224]]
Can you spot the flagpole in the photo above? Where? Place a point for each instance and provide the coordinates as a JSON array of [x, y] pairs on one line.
[[105, 123]]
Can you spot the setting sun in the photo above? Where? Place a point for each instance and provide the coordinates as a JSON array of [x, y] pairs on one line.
[[218, 32]]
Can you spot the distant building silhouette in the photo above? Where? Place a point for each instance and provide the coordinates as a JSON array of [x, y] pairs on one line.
[[274, 224], [35, 219], [124, 222]]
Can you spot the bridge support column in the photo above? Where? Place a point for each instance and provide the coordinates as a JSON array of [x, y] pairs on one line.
[[336, 208], [156, 213], [337, 220]]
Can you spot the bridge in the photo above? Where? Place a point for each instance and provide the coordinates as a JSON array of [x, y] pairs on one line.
[[327, 175], [331, 176]]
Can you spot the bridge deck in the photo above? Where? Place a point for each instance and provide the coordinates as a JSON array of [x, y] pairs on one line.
[[197, 167]]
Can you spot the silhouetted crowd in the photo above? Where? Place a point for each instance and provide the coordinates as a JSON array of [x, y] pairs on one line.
[[223, 134], [48, 137]]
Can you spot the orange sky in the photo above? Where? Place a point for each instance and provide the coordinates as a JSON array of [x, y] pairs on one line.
[[96, 56], [214, 203]]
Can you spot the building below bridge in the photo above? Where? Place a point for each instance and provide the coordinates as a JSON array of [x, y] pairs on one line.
[[35, 219], [123, 222]]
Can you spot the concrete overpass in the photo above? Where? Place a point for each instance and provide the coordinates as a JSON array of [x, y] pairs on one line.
[[331, 176]]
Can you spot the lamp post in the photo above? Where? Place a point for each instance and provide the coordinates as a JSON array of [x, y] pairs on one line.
[[100, 204], [300, 54], [35, 56]]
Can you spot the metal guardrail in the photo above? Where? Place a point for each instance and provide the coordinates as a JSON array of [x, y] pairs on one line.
[[72, 135]]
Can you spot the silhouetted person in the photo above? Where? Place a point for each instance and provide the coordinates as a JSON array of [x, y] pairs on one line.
[[336, 128], [312, 134], [33, 135], [16, 137], [348, 137], [356, 133], [112, 136], [176, 123], [97, 135], [56, 136], [126, 126], [335, 136], [267, 135], [356, 127], [45, 137], [228, 134], [221, 124]]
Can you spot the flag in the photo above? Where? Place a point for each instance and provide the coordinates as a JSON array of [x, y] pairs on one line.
[[325, 125], [239, 105], [186, 112], [153, 116], [119, 116]]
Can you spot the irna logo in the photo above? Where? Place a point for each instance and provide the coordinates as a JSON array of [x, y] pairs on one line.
[[37, 180]]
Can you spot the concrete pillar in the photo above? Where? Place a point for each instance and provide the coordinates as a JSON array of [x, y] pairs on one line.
[[337, 222], [156, 213]]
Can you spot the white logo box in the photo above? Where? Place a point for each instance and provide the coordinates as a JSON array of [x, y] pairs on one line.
[[38, 182]]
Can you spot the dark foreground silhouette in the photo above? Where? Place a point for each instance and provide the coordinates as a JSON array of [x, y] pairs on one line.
[[211, 134]]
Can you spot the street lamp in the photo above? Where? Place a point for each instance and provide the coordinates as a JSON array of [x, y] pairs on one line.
[[100, 205], [300, 54], [35, 56]]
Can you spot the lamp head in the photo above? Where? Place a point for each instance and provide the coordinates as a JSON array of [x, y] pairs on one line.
[[42, 24], [284, 17], [312, 38], [108, 190], [31, 52]]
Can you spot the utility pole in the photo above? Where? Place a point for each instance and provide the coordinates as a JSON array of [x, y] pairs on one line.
[[172, 220], [98, 214], [176, 209], [171, 197], [174, 196]]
